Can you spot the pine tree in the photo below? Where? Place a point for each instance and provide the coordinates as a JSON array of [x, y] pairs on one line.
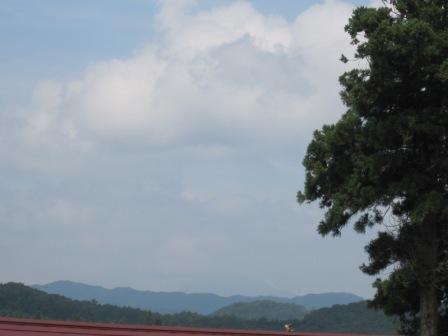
[[385, 162]]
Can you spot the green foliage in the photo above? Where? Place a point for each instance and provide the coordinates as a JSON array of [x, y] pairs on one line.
[[398, 295], [269, 310], [386, 160], [17, 300], [354, 317]]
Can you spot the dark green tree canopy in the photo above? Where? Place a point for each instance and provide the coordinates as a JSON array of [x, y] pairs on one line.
[[386, 160], [390, 148]]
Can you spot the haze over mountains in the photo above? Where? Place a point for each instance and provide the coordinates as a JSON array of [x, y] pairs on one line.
[[174, 302], [18, 300]]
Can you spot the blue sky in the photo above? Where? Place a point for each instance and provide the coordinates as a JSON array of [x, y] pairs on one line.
[[158, 144]]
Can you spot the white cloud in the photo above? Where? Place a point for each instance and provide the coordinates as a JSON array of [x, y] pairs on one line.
[[188, 35], [225, 74], [320, 38], [186, 153]]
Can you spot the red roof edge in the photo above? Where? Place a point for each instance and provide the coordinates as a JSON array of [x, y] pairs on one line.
[[148, 328]]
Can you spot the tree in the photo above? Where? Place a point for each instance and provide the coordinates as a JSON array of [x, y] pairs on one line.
[[386, 160]]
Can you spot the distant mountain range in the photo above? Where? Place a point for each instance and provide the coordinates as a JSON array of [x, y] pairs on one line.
[[174, 302], [18, 300]]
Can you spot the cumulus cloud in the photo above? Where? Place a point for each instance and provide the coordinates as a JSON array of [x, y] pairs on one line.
[[227, 72], [191, 145]]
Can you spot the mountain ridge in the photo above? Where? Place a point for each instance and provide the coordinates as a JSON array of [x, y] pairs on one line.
[[174, 302], [18, 300]]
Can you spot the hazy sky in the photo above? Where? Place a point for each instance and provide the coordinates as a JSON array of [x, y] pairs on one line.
[[158, 144]]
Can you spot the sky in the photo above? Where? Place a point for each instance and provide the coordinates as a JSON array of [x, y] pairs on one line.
[[158, 144]]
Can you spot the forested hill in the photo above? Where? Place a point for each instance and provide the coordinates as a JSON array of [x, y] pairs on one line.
[[354, 317], [263, 309], [18, 300], [174, 302]]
